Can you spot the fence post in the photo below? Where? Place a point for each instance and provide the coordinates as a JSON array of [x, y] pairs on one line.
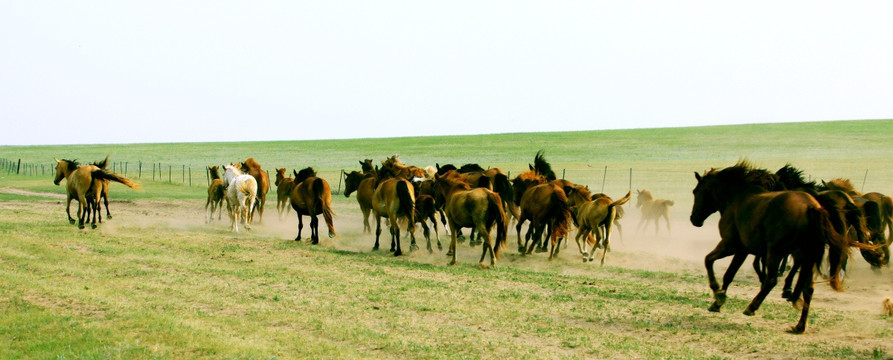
[[140, 172], [863, 180], [190, 176], [153, 171], [19, 167], [604, 177], [170, 174], [125, 168], [630, 179], [208, 175], [183, 172], [562, 174], [341, 174]]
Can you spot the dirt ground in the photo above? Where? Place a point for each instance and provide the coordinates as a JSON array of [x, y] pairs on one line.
[[682, 250]]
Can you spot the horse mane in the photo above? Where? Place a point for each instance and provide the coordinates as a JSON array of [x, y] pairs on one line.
[[72, 164], [102, 164], [304, 174], [792, 178], [542, 167], [443, 169], [214, 170], [743, 173], [841, 184], [528, 175], [583, 191], [451, 180], [386, 172], [467, 168], [250, 164]]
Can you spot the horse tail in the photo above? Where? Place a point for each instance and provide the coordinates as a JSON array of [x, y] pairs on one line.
[[560, 213], [838, 247], [622, 200], [495, 213], [321, 193], [101, 174], [669, 202], [484, 182], [219, 192], [503, 187], [407, 204]]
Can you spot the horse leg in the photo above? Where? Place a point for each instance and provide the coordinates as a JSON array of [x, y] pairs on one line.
[[436, 235], [105, 199], [461, 237], [314, 229], [521, 247], [808, 287], [366, 227], [581, 232], [667, 218], [533, 233], [82, 203], [485, 247], [719, 252], [395, 237], [453, 241], [427, 232], [377, 231], [772, 262], [300, 225], [786, 291], [68, 210]]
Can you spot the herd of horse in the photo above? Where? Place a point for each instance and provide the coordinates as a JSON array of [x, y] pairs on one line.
[[771, 215]]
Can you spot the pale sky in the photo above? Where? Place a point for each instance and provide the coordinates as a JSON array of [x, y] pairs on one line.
[[183, 71]]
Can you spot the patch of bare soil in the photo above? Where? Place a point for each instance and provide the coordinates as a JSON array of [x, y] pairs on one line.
[[32, 193]]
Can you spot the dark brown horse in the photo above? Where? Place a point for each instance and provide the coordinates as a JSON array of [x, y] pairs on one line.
[[424, 211], [653, 209], [311, 196], [216, 193], [883, 202], [767, 224], [478, 208], [546, 207], [284, 185], [84, 179], [251, 167], [393, 199], [364, 185]]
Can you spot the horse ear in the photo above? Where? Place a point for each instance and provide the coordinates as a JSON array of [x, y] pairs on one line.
[[59, 161], [530, 166], [697, 176]]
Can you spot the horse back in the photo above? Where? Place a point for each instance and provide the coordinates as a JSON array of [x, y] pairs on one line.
[[312, 196]]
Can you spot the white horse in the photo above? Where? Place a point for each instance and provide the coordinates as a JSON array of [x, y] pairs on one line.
[[241, 194]]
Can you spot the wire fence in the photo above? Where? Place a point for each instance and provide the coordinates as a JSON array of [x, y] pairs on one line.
[[599, 178]]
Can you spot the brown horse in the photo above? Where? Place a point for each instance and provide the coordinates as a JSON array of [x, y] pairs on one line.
[[596, 215], [884, 203], [366, 166], [424, 211], [545, 206], [216, 193], [402, 170], [104, 194], [653, 210], [283, 190], [364, 185], [393, 199], [251, 167], [767, 224], [478, 208], [84, 179], [311, 196]]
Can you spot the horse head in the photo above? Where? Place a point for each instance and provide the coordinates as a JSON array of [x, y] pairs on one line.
[[214, 171], [304, 174], [352, 182], [643, 196], [705, 202], [63, 168], [280, 175]]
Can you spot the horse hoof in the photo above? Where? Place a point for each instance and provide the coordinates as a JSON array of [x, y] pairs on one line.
[[413, 247], [375, 248], [786, 294], [460, 238], [71, 221], [713, 308], [483, 266], [748, 312], [540, 250], [398, 253], [314, 242], [449, 253], [298, 239], [81, 227], [797, 330], [93, 226], [452, 263], [109, 217], [331, 235], [521, 249]]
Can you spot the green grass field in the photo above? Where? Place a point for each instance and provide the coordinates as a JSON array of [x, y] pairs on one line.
[[156, 282]]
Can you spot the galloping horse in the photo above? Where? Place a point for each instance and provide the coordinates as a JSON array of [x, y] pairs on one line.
[[653, 210], [884, 205], [311, 196], [545, 206], [251, 167], [478, 208], [364, 185], [105, 189], [402, 170], [283, 189], [216, 193], [393, 199], [767, 224], [241, 195], [597, 214], [84, 179], [424, 211]]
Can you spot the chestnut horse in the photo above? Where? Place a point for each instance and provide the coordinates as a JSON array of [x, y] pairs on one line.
[[364, 185], [402, 170], [311, 196], [597, 214], [241, 195], [653, 210], [283, 189], [216, 193], [884, 203], [84, 179], [251, 167], [545, 205], [393, 199], [767, 224], [105, 189], [478, 208]]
